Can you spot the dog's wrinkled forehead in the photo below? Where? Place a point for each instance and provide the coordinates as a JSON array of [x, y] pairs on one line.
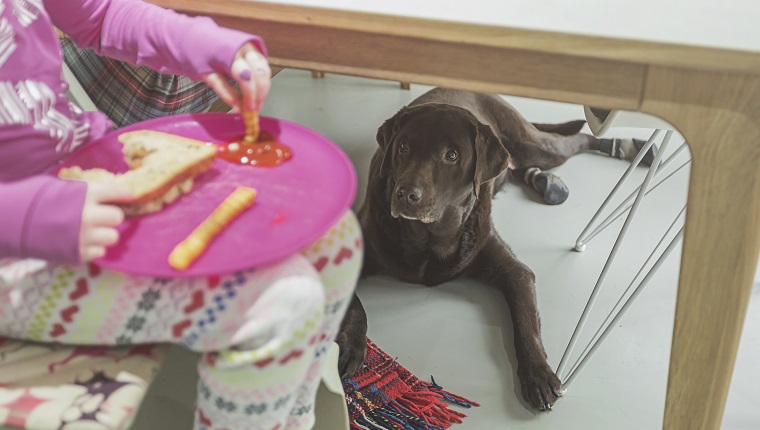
[[436, 125]]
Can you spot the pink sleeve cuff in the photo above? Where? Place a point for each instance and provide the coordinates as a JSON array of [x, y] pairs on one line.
[[42, 218]]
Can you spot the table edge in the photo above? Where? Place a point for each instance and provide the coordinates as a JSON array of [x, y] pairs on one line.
[[596, 47]]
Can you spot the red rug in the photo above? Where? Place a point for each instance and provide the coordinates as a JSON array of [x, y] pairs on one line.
[[383, 395]]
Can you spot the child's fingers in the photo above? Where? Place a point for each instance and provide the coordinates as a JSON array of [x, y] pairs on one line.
[[243, 74], [262, 75], [90, 253], [98, 220], [251, 70], [108, 193], [96, 232], [224, 89], [100, 236], [96, 215]]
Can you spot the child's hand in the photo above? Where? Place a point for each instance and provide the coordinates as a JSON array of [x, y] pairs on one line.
[[99, 219], [251, 70]]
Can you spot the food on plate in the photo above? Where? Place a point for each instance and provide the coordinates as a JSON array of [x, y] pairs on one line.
[[162, 168], [184, 254], [256, 148], [251, 121]]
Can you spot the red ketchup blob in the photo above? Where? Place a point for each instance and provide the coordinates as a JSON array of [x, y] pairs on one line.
[[266, 152]]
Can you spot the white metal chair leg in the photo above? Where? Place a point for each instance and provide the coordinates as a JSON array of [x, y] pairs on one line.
[[618, 242], [628, 172], [628, 202], [618, 311]]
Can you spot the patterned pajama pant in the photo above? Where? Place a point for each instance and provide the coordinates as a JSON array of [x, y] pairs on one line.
[[262, 331]]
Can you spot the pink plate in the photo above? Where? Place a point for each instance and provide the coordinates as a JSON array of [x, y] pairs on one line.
[[297, 201]]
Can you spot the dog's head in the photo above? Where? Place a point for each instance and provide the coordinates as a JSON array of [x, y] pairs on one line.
[[438, 155]]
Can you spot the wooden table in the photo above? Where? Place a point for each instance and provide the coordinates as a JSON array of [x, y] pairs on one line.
[[694, 63]]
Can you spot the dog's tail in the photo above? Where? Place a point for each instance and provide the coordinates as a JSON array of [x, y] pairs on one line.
[[565, 129]]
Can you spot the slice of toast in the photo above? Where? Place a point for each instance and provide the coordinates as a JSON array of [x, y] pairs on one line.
[[162, 168]]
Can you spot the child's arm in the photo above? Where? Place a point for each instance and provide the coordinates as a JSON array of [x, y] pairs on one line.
[[56, 220], [40, 218], [142, 33]]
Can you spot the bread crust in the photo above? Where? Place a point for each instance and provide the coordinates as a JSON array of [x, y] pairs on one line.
[[162, 169]]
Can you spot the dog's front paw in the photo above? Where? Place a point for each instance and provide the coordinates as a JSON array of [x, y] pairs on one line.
[[540, 386], [353, 351]]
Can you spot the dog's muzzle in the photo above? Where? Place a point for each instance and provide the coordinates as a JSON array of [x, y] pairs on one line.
[[408, 195], [407, 203]]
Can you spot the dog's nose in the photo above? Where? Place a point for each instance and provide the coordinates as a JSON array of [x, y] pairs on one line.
[[411, 194]]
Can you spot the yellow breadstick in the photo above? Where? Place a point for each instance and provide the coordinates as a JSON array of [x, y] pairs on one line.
[[193, 246], [251, 121]]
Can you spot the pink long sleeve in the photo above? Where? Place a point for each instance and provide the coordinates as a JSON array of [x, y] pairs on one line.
[[40, 215], [144, 34]]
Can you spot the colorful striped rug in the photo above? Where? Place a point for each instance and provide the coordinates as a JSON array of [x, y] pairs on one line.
[[383, 395]]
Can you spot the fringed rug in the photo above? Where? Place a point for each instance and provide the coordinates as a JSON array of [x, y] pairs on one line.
[[383, 395]]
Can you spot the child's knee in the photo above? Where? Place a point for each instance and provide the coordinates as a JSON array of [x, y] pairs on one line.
[[291, 305], [300, 297], [298, 287]]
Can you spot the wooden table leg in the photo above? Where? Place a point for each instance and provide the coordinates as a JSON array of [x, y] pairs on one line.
[[718, 114]]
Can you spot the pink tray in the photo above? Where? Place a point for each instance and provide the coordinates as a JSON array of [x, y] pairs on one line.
[[297, 201]]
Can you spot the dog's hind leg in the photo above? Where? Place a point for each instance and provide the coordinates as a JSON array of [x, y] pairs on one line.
[[544, 150], [551, 187], [548, 150], [627, 149], [622, 148], [549, 145]]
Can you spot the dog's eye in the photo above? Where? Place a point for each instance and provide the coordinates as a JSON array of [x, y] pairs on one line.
[[403, 147], [452, 155]]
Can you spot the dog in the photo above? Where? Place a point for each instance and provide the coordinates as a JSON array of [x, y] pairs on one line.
[[426, 217]]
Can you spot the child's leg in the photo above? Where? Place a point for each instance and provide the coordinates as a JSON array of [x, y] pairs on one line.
[[273, 317], [270, 315], [254, 383], [337, 256]]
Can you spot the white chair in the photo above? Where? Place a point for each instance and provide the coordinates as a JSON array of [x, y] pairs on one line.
[[601, 121]]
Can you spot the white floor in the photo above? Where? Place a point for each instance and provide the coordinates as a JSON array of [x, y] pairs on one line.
[[461, 333]]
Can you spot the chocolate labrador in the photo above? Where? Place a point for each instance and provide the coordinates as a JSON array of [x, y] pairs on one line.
[[426, 216]]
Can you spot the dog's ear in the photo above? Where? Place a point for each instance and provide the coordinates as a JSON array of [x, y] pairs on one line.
[[491, 157], [384, 137]]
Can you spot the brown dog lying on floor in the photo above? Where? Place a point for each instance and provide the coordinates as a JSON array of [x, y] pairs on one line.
[[426, 217]]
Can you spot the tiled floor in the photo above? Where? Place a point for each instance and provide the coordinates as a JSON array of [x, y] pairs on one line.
[[460, 332]]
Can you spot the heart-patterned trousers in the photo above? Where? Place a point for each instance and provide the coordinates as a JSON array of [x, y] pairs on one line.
[[262, 331]]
